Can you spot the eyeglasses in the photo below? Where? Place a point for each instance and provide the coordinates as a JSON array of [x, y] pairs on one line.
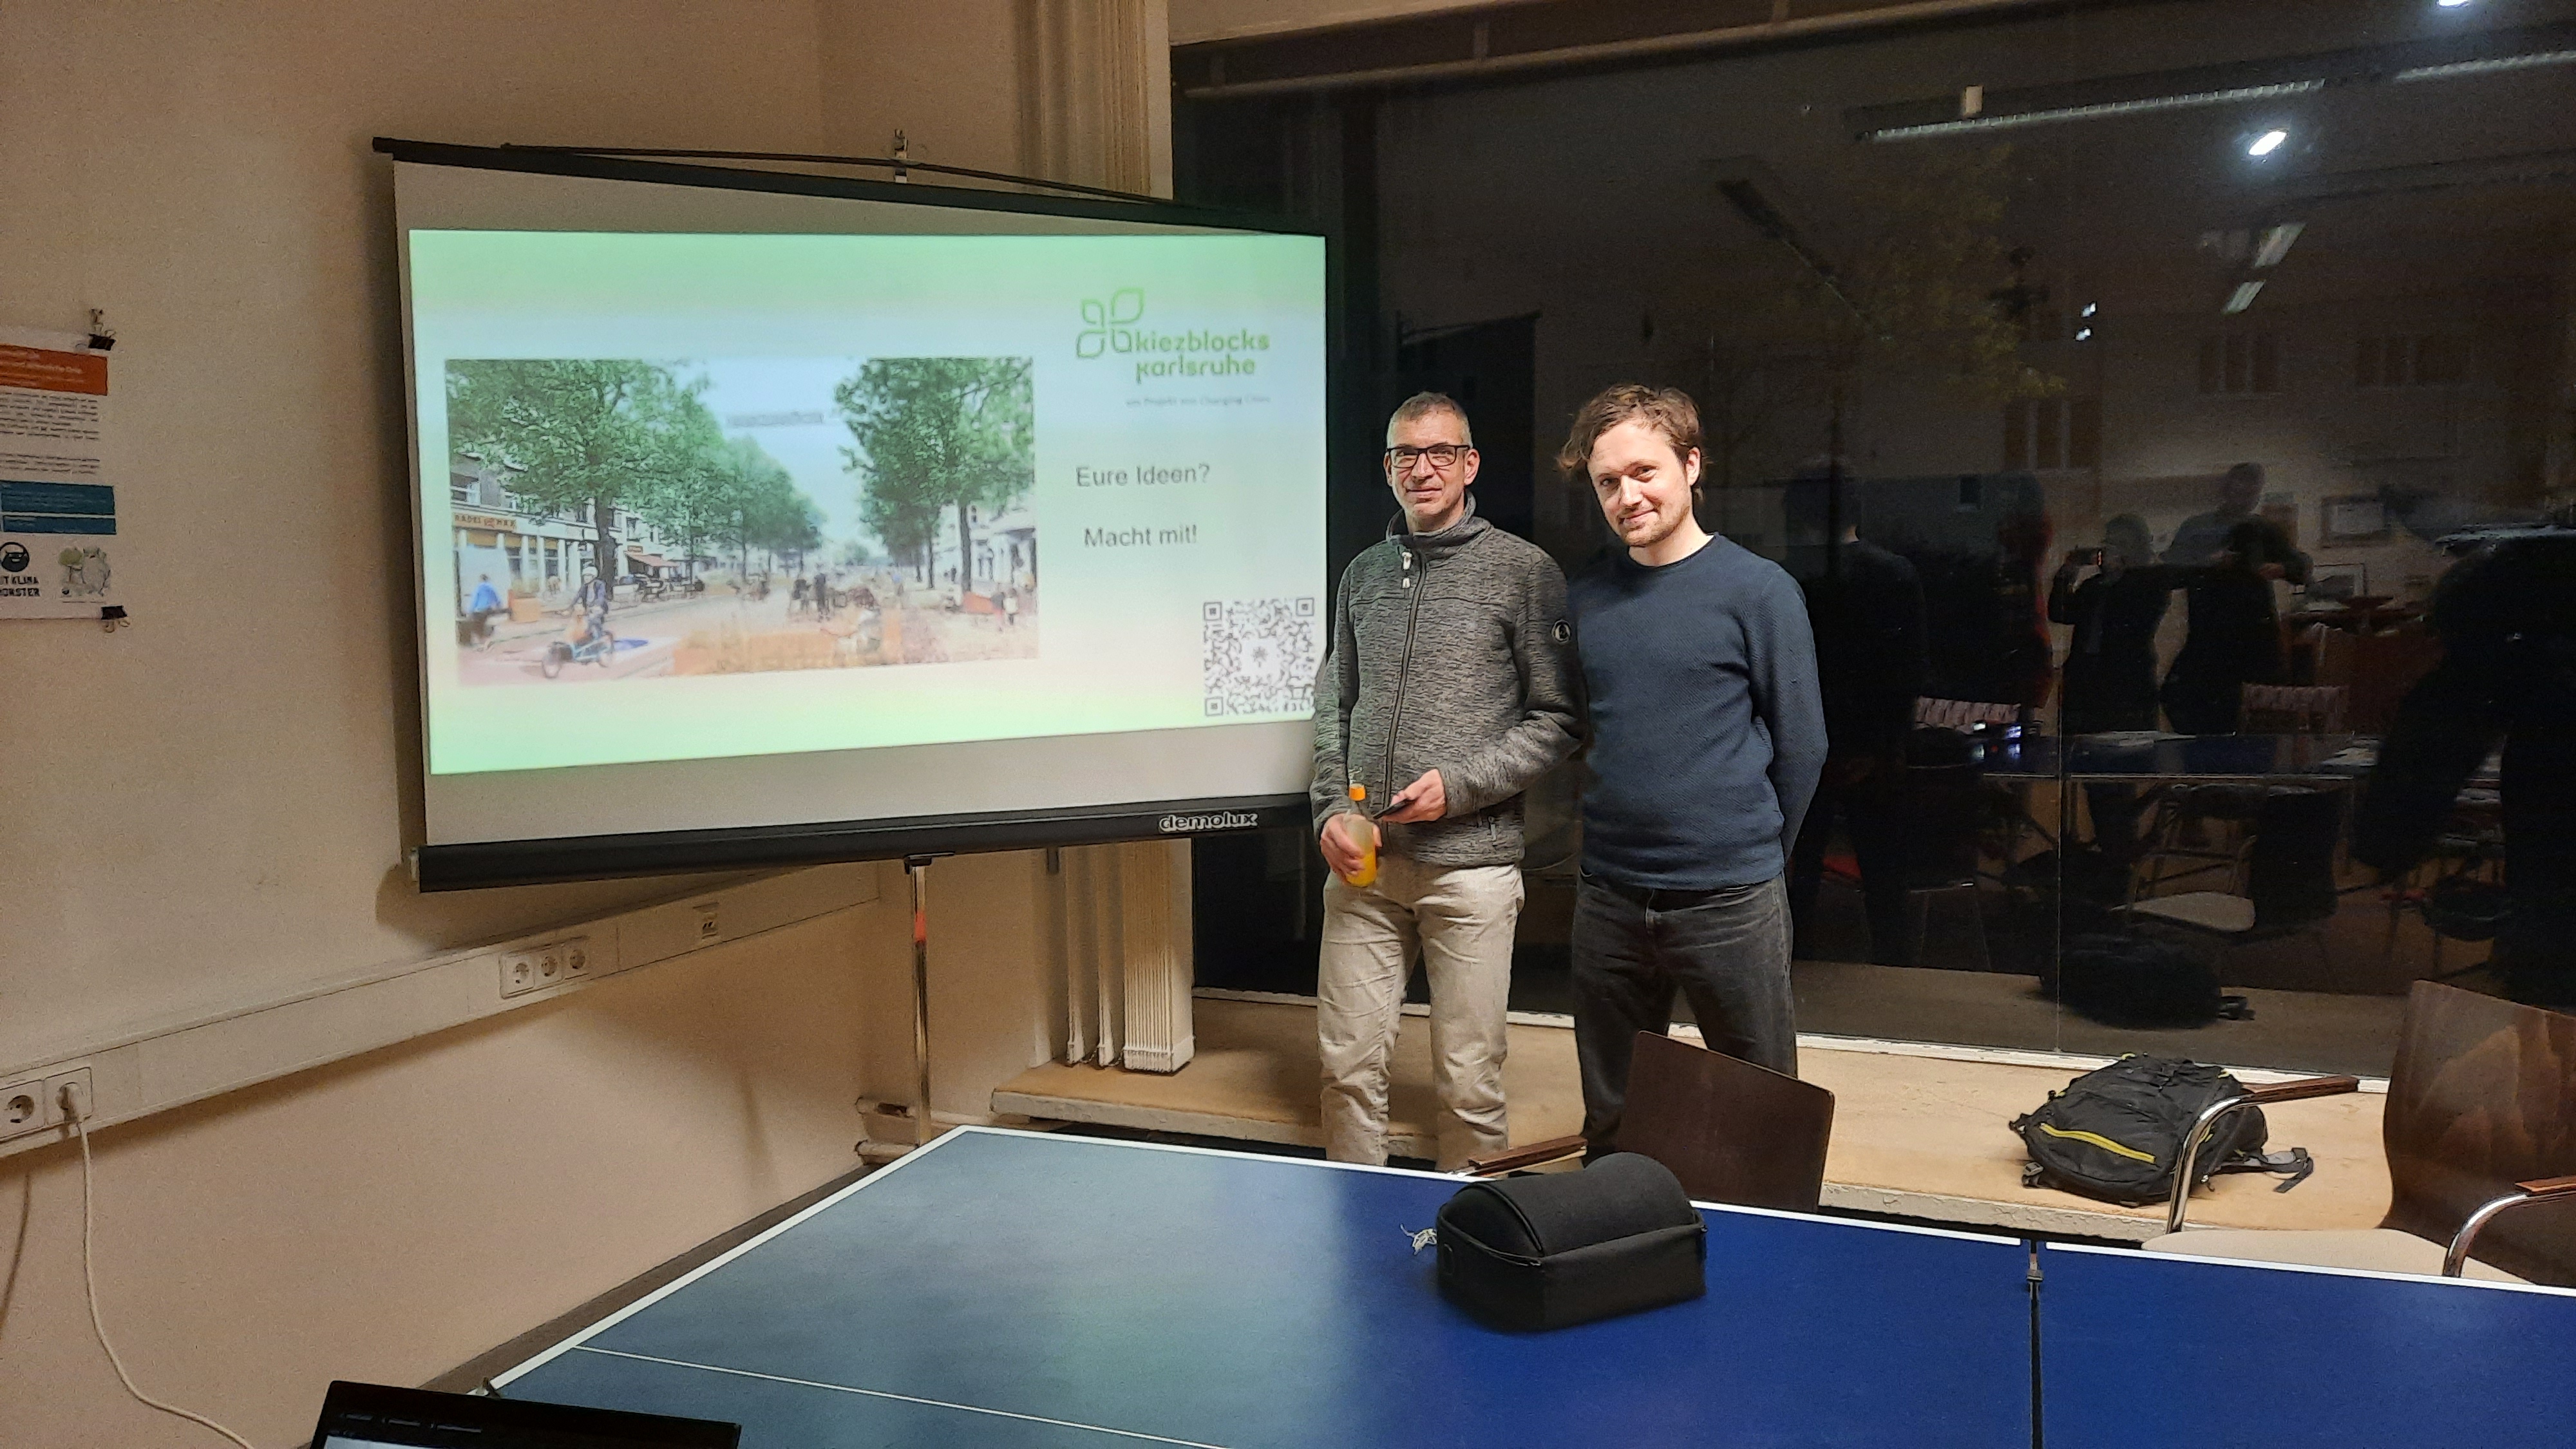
[[1443, 456]]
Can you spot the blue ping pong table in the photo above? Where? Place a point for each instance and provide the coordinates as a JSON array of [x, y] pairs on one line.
[[1042, 1292], [2152, 1349], [1034, 1291]]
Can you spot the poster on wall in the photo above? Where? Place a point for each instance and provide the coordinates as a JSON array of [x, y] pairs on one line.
[[58, 537]]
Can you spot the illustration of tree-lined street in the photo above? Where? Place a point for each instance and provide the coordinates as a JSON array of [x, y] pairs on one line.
[[624, 518]]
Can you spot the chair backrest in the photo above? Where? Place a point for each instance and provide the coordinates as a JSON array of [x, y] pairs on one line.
[[1731, 1131], [2330, 653], [1964, 714], [2293, 709], [2483, 1096]]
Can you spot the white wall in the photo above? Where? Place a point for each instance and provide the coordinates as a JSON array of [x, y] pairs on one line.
[[391, 1216], [232, 780], [214, 803]]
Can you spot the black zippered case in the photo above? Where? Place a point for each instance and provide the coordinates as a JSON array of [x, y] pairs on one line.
[[1555, 1249]]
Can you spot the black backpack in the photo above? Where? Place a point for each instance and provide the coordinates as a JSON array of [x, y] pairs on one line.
[[2133, 978], [2116, 1132]]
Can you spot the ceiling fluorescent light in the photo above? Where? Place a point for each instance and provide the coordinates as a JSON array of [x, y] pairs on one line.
[[2483, 67], [2276, 243], [2242, 298], [2094, 112], [2267, 143]]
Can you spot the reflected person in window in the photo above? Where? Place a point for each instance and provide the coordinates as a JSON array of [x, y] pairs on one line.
[[2109, 684], [2507, 620], [2235, 632], [1866, 611], [2202, 696]]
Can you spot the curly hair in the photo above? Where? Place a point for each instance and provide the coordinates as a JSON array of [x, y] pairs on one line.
[[1668, 411]]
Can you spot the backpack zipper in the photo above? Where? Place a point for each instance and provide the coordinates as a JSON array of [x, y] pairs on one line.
[[2098, 1140]]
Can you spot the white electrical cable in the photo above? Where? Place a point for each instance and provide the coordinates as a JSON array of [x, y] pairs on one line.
[[89, 1279]]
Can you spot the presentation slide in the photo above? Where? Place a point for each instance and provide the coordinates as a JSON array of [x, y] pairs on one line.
[[716, 495]]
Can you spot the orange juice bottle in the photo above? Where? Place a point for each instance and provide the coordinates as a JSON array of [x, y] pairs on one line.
[[1364, 835]]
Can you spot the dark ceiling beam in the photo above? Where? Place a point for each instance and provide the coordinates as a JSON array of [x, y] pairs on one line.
[[2529, 168], [2207, 85], [1511, 40]]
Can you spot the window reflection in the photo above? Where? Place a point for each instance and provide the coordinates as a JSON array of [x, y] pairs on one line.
[[2166, 412]]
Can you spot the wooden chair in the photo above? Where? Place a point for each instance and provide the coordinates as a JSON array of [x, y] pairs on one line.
[[2480, 1125], [2283, 873], [1731, 1131]]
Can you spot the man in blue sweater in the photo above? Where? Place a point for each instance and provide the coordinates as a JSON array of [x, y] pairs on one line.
[[1707, 734]]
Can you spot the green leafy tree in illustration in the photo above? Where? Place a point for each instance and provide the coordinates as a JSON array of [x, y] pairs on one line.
[[691, 488], [587, 437], [785, 521], [761, 506], [931, 434]]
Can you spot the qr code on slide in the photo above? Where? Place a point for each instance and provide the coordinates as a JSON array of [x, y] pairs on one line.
[[1257, 656]]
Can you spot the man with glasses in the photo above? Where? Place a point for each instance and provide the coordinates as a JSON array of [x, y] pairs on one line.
[[1448, 688]]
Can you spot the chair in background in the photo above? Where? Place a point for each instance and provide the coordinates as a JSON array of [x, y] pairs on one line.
[[1732, 1132], [1968, 716], [2385, 666], [2223, 815], [2329, 653], [2205, 829], [2480, 1128], [2008, 813], [2292, 709], [2285, 885], [2458, 889], [1945, 816]]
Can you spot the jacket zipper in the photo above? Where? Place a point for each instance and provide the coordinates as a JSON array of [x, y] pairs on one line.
[[1403, 669]]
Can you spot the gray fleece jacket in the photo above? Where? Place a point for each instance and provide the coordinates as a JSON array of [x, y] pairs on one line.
[[1451, 652]]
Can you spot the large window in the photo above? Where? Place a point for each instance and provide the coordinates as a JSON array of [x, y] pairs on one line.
[[2275, 305]]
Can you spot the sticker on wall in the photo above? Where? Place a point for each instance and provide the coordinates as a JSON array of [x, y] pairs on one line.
[[58, 536]]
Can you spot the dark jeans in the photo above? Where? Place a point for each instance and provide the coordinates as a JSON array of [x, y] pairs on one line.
[[1728, 953], [1873, 812]]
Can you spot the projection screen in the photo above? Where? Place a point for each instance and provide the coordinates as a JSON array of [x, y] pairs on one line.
[[765, 518]]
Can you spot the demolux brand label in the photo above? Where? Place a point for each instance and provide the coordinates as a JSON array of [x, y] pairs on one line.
[[1115, 327]]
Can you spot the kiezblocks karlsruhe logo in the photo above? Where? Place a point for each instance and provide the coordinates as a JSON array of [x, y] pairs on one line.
[[1112, 326], [1124, 307]]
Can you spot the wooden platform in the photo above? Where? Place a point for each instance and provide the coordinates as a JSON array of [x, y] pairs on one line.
[[1915, 1134]]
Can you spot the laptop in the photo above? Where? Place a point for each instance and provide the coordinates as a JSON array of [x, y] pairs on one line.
[[373, 1416]]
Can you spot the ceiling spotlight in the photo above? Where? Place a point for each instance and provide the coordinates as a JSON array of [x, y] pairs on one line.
[[2092, 307], [2267, 143], [2242, 298], [2276, 243], [2083, 334]]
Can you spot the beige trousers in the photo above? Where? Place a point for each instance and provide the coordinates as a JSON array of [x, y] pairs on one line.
[[1460, 919]]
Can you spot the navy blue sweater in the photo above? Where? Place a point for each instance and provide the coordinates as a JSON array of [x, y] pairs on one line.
[[1707, 732]]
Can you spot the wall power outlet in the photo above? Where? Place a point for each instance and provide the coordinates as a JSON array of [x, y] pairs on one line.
[[552, 963], [36, 1103]]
